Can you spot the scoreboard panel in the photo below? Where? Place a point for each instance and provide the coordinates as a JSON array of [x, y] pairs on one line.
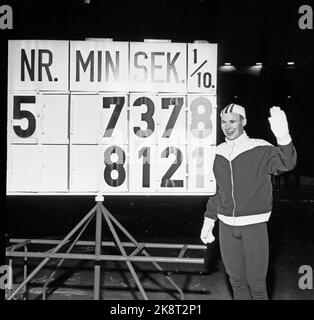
[[98, 117]]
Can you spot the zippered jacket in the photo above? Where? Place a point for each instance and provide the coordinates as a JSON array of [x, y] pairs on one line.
[[243, 169]]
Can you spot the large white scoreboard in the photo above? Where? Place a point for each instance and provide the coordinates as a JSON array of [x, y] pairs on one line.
[[106, 117]]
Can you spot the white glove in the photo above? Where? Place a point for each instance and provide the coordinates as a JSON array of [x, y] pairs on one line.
[[279, 125], [207, 230]]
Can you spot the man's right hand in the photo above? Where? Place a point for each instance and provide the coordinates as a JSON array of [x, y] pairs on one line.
[[207, 231]]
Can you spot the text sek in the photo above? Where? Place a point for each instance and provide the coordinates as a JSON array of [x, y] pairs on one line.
[[156, 67]]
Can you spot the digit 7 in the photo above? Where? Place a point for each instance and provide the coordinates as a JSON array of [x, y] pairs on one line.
[[165, 103], [107, 102]]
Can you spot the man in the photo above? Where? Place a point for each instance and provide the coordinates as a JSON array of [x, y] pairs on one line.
[[243, 201]]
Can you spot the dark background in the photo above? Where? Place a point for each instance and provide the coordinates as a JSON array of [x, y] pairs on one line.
[[246, 32]]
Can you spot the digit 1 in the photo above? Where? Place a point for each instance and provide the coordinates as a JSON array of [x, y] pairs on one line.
[[199, 79], [195, 55], [198, 153], [145, 153]]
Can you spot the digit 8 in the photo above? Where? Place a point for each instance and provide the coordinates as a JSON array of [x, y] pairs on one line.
[[198, 117], [114, 165]]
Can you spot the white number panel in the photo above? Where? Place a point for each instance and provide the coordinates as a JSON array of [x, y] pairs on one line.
[[23, 117], [99, 66], [38, 65], [85, 168], [143, 168], [105, 117], [172, 168], [37, 117], [33, 168], [53, 118], [115, 168], [202, 68], [200, 168], [24, 168], [55, 168], [159, 67], [202, 112], [114, 129], [86, 120], [144, 116], [172, 119]]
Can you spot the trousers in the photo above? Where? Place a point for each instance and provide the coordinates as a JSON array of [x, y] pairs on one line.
[[245, 255]]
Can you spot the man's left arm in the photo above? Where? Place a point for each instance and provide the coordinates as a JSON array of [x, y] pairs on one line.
[[284, 157]]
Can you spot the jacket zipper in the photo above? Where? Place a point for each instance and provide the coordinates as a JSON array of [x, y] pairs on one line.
[[232, 187]]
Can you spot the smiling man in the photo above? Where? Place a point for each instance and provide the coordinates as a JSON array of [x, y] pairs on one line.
[[233, 121], [243, 202]]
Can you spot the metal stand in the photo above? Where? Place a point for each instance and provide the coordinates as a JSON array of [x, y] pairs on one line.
[[99, 211]]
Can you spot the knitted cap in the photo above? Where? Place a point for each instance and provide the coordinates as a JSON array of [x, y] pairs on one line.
[[234, 108]]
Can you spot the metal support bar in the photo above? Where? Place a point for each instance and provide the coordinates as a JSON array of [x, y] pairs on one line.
[[182, 252], [18, 245], [99, 210], [25, 296], [136, 251], [60, 245], [157, 266], [128, 263], [97, 252], [81, 256], [44, 290], [154, 245]]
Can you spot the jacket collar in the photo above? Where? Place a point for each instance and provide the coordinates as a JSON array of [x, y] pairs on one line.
[[241, 139]]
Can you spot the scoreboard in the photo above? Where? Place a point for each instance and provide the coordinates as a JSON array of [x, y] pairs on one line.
[[106, 117]]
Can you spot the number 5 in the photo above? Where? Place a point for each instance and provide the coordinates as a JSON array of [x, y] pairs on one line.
[[19, 114]]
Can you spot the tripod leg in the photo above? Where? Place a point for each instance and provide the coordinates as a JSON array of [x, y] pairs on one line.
[[25, 297], [62, 260], [97, 253], [128, 263], [60, 245], [158, 267]]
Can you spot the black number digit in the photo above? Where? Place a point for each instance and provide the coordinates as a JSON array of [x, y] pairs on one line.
[[207, 80], [166, 181], [119, 103], [114, 165], [165, 103], [19, 114], [145, 153], [195, 55], [199, 79], [147, 117]]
